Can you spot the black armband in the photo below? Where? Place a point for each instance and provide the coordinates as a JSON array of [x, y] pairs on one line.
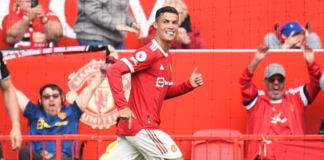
[[4, 72]]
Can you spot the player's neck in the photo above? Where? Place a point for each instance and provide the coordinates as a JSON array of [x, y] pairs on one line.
[[163, 44]]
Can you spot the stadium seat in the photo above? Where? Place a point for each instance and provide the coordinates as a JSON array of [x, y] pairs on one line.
[[216, 150]]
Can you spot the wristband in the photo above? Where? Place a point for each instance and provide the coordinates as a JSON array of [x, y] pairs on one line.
[[4, 74]]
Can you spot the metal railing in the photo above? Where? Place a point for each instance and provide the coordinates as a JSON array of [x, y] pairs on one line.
[[178, 138]]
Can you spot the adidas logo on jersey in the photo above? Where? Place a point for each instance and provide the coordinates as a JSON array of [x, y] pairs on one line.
[[153, 47], [161, 68]]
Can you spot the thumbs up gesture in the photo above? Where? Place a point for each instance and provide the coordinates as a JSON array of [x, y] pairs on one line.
[[196, 79]]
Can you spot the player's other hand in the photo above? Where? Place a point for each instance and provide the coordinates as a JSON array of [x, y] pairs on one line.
[[196, 79], [127, 114], [15, 137]]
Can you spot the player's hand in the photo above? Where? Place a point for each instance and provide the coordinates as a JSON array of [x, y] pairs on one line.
[[127, 114], [196, 79], [308, 53], [261, 53], [15, 137]]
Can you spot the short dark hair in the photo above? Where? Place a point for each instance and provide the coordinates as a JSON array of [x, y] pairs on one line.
[[51, 86], [164, 9]]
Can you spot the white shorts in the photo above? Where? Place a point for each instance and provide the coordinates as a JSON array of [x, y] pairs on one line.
[[146, 145]]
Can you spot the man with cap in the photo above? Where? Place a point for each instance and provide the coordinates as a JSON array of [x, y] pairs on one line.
[[276, 111], [292, 36]]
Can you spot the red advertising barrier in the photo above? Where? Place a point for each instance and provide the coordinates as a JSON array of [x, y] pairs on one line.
[[215, 105]]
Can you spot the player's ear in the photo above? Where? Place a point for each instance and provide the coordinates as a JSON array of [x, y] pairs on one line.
[[155, 24]]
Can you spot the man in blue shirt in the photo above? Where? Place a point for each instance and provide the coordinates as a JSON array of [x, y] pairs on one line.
[[51, 117]]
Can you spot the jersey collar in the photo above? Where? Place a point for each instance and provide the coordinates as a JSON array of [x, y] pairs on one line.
[[165, 54]]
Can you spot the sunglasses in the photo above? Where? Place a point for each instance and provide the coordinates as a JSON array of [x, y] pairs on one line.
[[273, 79], [48, 96]]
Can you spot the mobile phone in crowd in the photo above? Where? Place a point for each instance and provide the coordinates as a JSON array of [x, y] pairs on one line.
[[34, 3]]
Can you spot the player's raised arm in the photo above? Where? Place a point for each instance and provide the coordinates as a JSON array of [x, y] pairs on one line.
[[195, 80], [86, 94]]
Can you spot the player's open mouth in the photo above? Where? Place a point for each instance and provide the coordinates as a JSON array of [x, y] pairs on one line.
[[171, 33], [52, 105]]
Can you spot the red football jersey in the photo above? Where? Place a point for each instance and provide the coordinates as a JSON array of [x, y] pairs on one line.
[[151, 81]]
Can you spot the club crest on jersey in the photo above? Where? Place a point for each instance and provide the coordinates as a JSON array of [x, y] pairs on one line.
[[62, 115], [141, 56], [101, 111], [174, 148]]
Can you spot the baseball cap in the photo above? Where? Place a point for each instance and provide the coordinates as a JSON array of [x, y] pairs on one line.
[[273, 69], [289, 27]]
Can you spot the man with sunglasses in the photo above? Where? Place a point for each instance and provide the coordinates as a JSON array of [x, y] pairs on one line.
[[51, 117], [276, 111], [292, 36]]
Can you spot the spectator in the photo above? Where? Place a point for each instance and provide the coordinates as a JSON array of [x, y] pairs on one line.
[[27, 27], [104, 23], [188, 36], [275, 112], [51, 117], [292, 37]]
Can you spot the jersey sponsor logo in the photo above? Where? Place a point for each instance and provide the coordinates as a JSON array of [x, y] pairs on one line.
[[161, 68], [141, 56], [41, 124], [101, 111], [277, 118], [161, 82]]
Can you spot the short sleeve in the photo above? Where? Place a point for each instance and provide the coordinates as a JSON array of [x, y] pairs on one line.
[[31, 110], [74, 110]]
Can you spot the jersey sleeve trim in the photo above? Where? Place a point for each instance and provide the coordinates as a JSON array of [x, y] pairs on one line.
[[250, 104], [129, 65], [6, 78], [304, 96]]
